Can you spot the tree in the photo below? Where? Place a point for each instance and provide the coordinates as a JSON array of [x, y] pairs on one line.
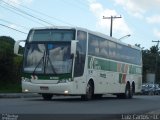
[[9, 63], [151, 62], [6, 57]]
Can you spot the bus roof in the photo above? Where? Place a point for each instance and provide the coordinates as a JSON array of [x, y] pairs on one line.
[[89, 31]]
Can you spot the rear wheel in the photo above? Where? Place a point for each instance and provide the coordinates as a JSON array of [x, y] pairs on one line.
[[47, 96], [89, 92], [157, 93], [128, 93]]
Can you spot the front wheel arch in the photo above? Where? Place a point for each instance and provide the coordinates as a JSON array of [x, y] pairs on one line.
[[89, 91]]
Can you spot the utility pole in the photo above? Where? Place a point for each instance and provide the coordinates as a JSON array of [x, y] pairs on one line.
[[112, 17], [156, 64]]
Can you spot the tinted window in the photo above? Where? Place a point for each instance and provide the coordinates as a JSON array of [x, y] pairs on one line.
[[81, 53], [112, 50], [51, 35], [93, 47], [101, 47], [128, 54]]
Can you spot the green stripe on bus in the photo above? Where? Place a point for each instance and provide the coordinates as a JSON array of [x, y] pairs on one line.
[[108, 65]]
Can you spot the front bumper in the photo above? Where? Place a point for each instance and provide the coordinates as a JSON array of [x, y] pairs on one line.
[[59, 88]]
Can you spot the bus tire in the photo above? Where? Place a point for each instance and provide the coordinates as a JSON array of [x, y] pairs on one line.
[[47, 96], [132, 90], [128, 93], [157, 93], [89, 92]]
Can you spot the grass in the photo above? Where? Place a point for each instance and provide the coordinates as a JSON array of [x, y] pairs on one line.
[[10, 88]]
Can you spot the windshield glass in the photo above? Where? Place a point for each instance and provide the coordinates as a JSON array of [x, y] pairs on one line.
[[50, 58], [47, 51]]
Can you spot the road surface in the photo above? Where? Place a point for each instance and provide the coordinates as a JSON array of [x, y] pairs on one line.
[[74, 105]]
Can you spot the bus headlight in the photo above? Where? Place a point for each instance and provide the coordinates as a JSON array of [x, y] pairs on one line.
[[69, 79], [66, 92], [26, 90]]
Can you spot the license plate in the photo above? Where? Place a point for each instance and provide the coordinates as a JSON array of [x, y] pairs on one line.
[[44, 87]]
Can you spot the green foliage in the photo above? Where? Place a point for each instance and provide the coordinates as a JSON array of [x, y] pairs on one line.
[[150, 57], [10, 88], [6, 57], [9, 65]]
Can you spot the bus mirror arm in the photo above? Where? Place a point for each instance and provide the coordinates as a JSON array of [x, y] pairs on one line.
[[16, 47]]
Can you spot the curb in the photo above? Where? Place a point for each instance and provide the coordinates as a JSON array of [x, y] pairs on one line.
[[18, 95]]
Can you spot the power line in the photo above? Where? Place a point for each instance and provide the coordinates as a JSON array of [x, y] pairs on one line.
[[6, 21], [13, 28], [24, 12], [41, 13], [21, 11], [21, 15]]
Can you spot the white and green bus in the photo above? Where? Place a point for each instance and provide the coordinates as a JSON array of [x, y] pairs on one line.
[[77, 61]]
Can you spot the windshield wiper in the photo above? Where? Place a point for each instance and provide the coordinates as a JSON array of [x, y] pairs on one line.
[[42, 59], [45, 59], [48, 59]]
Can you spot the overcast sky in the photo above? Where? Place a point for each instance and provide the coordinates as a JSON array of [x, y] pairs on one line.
[[140, 18]]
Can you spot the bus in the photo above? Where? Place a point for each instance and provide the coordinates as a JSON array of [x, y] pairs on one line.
[[65, 60]]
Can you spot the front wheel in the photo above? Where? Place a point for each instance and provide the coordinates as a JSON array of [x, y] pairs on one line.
[[47, 96], [89, 92]]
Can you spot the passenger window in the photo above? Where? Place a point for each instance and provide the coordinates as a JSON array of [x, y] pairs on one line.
[[112, 50]]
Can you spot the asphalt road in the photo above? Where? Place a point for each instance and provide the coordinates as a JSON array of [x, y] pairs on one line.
[[74, 105]]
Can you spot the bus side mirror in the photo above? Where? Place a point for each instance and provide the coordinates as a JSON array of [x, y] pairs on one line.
[[16, 47], [73, 47]]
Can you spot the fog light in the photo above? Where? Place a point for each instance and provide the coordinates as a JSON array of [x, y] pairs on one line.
[[66, 92]]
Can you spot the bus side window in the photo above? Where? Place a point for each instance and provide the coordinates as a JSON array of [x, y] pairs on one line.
[[81, 53], [103, 48], [112, 50], [93, 45]]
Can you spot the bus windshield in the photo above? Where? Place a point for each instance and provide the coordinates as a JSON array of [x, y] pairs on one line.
[[53, 58], [48, 52]]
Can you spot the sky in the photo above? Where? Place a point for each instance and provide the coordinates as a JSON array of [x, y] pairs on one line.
[[139, 18]]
